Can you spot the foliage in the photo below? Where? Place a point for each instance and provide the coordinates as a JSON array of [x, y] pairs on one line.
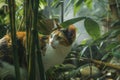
[[33, 48], [103, 49], [72, 21], [92, 28], [3, 30], [100, 47], [77, 5]]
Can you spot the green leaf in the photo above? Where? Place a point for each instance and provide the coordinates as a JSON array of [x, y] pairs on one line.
[[92, 28], [77, 5], [83, 42], [71, 21], [2, 4], [83, 50], [43, 4], [114, 33], [117, 53], [88, 3], [111, 46], [68, 5], [54, 2]]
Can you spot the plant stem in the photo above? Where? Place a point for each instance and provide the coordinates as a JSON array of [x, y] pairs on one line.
[[13, 36], [39, 57], [62, 11]]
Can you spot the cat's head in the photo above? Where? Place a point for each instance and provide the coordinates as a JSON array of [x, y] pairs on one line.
[[62, 37]]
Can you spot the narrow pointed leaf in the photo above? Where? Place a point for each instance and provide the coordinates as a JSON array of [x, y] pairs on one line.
[[77, 6], [72, 21], [89, 3], [54, 2]]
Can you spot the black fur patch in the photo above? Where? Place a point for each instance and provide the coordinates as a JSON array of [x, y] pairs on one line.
[[21, 53], [6, 52], [68, 35]]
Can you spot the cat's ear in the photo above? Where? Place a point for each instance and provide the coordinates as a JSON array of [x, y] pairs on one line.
[[72, 29], [71, 33], [56, 25]]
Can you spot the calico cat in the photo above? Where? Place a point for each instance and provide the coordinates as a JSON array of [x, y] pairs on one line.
[[54, 48], [58, 46]]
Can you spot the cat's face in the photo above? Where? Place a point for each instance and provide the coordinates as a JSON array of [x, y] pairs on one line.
[[62, 37]]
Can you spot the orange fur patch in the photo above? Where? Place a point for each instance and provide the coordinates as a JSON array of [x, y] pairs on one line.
[[72, 28]]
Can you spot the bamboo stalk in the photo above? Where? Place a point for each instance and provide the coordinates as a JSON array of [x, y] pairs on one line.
[[29, 39], [32, 65], [27, 25], [31, 15], [62, 11], [31, 47], [32, 38], [11, 4], [39, 57], [40, 63]]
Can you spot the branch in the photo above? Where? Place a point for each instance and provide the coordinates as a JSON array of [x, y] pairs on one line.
[[103, 63]]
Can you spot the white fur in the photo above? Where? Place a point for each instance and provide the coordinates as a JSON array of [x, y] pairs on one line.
[[55, 53]]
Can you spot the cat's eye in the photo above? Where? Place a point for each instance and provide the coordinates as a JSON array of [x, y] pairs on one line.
[[59, 37]]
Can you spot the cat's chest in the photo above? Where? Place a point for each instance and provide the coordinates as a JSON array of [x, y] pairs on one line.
[[55, 56]]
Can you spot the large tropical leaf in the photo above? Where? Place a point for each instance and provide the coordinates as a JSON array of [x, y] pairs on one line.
[[72, 21], [92, 28]]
